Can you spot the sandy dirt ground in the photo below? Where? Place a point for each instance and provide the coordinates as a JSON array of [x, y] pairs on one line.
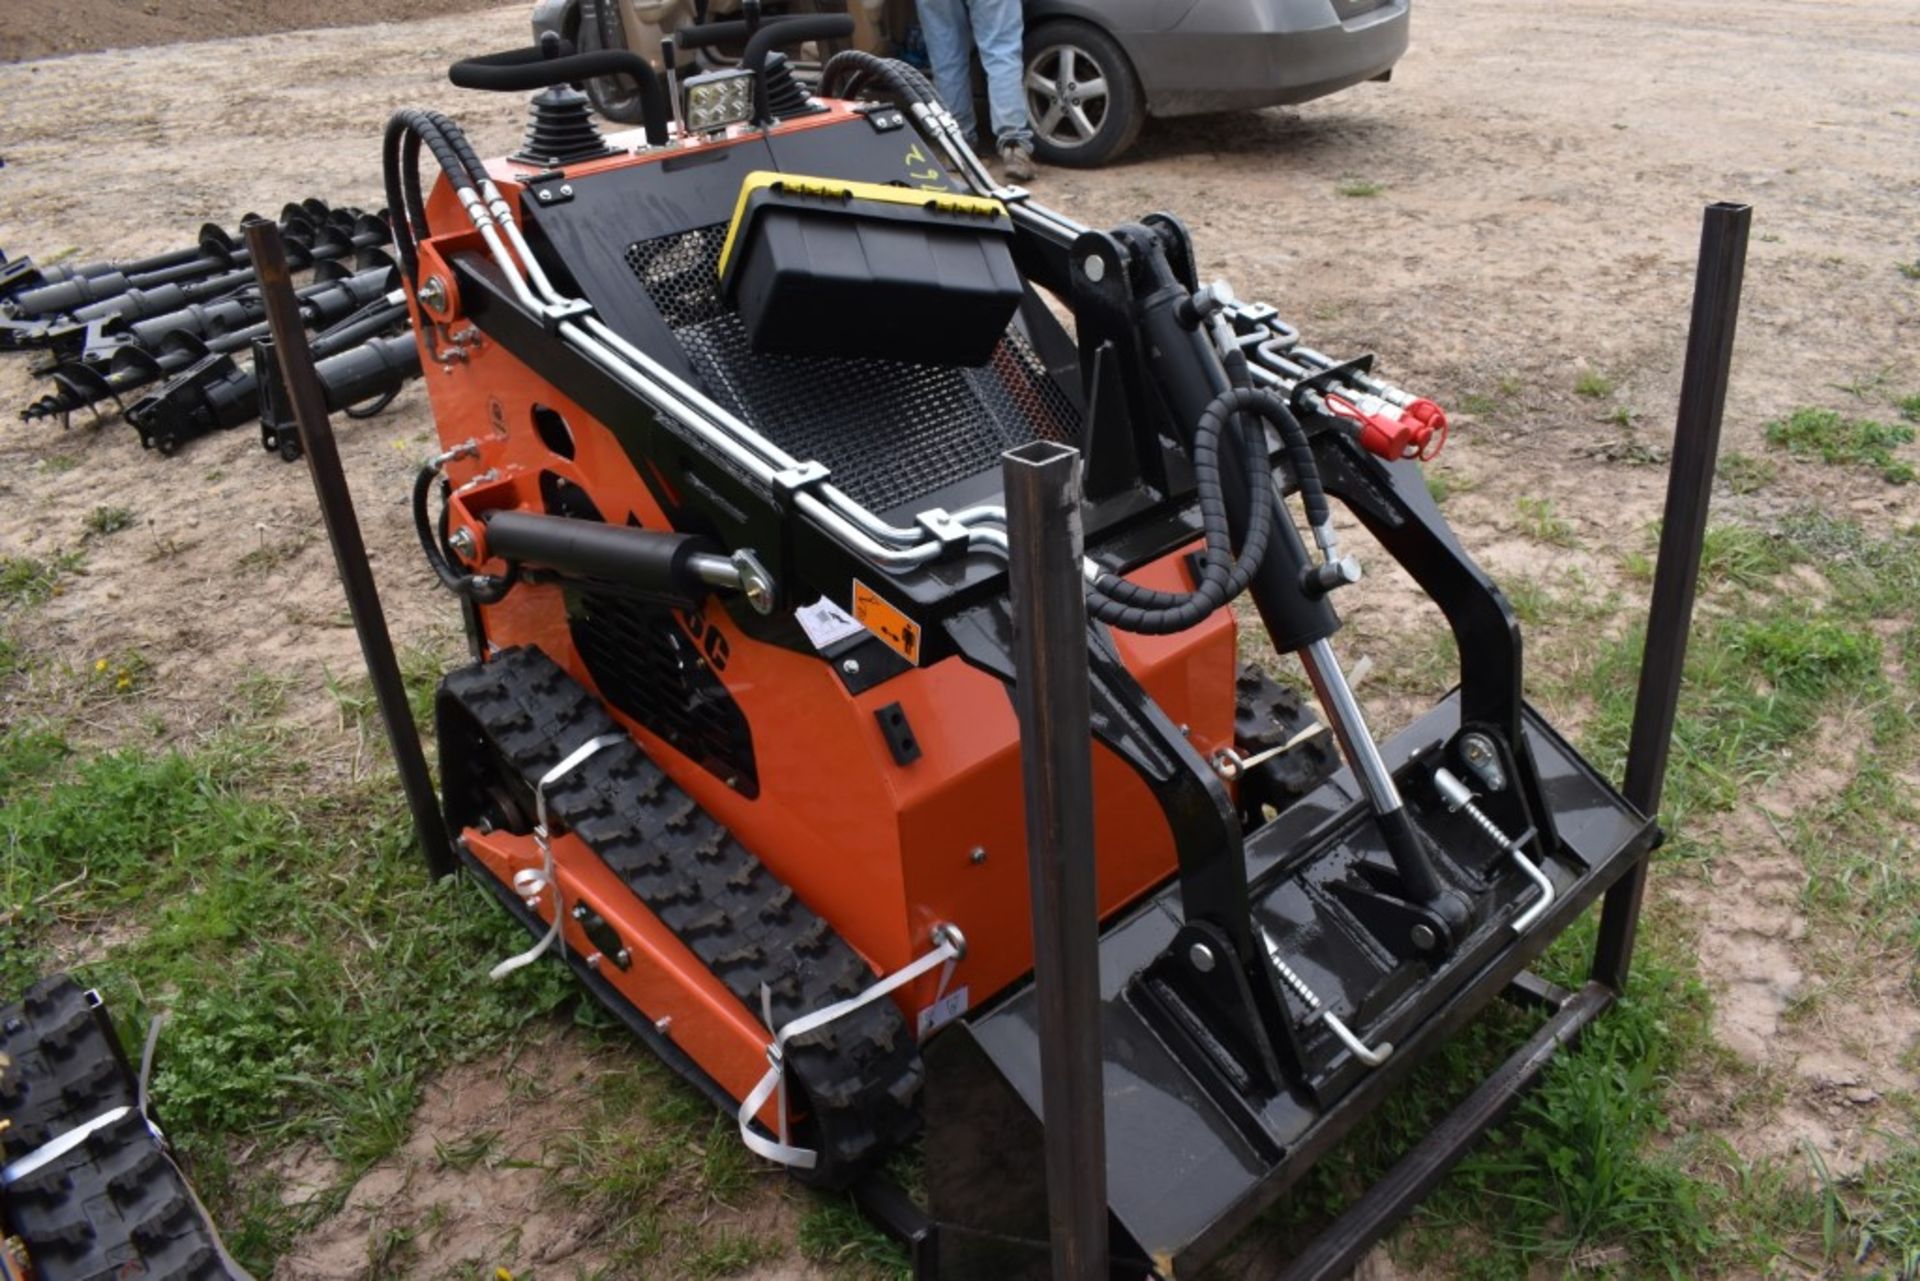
[[43, 28], [1541, 172]]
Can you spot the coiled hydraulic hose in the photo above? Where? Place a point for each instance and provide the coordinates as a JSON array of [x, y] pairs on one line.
[[1223, 575], [482, 589], [1306, 471], [846, 74]]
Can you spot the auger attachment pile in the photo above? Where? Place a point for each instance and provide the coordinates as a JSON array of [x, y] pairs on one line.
[[174, 341], [722, 419]]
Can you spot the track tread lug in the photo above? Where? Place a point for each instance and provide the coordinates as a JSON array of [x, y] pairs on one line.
[[861, 1075]]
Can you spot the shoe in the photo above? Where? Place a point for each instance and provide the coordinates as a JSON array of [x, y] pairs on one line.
[[1017, 161]]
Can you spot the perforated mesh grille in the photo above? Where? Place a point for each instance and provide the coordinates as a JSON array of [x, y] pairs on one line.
[[890, 432], [648, 668]]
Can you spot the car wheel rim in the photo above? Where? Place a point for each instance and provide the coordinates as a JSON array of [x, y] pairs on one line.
[[1067, 96]]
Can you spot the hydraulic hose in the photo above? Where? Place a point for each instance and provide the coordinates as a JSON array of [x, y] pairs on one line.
[[1223, 575], [1306, 471], [846, 73], [480, 588], [399, 156]]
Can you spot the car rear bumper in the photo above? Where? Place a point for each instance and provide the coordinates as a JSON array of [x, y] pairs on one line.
[[1230, 55]]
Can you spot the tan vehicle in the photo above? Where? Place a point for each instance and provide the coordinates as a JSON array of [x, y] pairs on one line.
[[643, 26]]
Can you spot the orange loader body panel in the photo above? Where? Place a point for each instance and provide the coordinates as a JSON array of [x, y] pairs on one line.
[[883, 852]]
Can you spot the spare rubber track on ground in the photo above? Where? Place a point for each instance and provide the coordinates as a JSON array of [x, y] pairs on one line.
[[862, 1073], [114, 1206]]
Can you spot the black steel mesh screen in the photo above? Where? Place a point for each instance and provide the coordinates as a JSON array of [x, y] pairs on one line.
[[890, 432], [646, 666]]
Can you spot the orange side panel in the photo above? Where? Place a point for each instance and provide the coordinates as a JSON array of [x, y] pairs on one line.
[[884, 852], [664, 980]]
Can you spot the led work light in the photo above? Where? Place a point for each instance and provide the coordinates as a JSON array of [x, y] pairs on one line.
[[718, 99]]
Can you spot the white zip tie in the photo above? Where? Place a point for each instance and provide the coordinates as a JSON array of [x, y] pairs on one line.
[[951, 946], [542, 837], [53, 1149]]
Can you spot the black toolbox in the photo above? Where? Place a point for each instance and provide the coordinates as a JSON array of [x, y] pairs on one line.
[[824, 267]]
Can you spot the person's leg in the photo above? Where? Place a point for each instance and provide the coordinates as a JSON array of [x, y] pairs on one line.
[[950, 49], [1000, 28]]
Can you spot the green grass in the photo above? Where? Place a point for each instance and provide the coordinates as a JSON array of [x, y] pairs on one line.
[[1359, 188], [834, 1234], [1541, 521], [1746, 474], [1739, 555], [1911, 270], [1909, 407], [1836, 439], [1880, 1207], [29, 580], [315, 977], [654, 1161], [1755, 685], [1592, 384], [102, 521]]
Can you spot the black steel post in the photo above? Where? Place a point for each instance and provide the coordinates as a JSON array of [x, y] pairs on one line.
[[1056, 753], [1696, 447], [269, 253]]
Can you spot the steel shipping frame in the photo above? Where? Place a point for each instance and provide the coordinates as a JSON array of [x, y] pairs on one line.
[[1715, 308]]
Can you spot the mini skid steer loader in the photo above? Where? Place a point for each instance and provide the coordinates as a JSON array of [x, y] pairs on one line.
[[722, 403]]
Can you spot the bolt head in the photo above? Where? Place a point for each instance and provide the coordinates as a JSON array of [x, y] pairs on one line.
[[566, 189], [1423, 937], [623, 958], [545, 196], [851, 666], [580, 912], [593, 962], [977, 855], [1201, 957], [1094, 267]]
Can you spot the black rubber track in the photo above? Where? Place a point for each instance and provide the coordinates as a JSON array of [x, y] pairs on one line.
[[115, 1207], [861, 1074], [65, 1070], [1267, 714]]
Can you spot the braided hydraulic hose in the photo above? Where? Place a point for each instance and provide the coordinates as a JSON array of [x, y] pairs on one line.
[[1223, 576], [847, 73]]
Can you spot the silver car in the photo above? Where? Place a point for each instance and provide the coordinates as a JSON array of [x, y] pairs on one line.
[[1095, 69]]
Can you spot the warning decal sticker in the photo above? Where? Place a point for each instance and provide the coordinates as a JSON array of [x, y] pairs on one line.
[[900, 633]]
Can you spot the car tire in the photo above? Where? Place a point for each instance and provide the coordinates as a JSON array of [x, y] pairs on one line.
[[1071, 126], [616, 98]]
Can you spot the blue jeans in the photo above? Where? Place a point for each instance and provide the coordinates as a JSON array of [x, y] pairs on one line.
[[998, 26]]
